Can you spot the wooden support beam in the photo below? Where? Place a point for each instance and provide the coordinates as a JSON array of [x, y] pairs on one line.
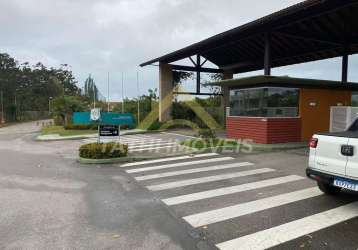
[[267, 60], [191, 59], [198, 63], [345, 68], [202, 64], [194, 93], [308, 38], [194, 69]]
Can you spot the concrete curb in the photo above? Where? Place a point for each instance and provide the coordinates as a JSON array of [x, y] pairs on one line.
[[257, 147], [105, 161], [127, 159], [56, 137]]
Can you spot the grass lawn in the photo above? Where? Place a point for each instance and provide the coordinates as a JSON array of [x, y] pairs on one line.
[[209, 143], [65, 132]]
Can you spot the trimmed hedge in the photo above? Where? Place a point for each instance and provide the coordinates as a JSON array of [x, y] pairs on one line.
[[103, 150]]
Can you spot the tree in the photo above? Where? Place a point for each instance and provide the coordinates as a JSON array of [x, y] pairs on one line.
[[90, 89], [29, 87], [64, 106]]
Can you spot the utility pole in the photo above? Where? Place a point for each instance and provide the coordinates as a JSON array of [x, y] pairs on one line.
[[108, 92], [49, 104], [15, 107], [122, 93], [94, 96], [2, 106], [138, 97]]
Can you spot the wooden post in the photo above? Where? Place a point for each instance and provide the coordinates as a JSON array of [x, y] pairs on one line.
[[198, 63], [345, 68], [267, 59]]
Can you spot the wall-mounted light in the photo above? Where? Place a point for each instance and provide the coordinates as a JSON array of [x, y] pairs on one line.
[[313, 104]]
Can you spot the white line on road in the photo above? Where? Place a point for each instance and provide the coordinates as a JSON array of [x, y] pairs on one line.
[[152, 145], [222, 214], [277, 235], [188, 136], [141, 141], [230, 190], [196, 181], [168, 159], [136, 136], [154, 148], [180, 164], [192, 171]]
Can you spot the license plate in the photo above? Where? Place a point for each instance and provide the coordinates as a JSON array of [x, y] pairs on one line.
[[346, 184]]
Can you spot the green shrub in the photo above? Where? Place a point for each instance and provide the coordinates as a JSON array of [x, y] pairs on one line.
[[207, 134], [155, 125], [125, 126], [103, 150]]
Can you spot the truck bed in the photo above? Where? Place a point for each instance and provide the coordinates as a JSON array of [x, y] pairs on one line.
[[346, 134]]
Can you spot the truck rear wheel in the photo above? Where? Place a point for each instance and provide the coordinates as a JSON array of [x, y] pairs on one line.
[[328, 189]]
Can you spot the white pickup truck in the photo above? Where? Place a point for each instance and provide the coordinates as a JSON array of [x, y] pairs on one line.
[[333, 160]]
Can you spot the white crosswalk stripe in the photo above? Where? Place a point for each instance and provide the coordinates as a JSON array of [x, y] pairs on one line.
[[180, 164], [271, 237], [206, 218], [132, 164], [155, 148], [197, 181], [292, 230], [141, 141], [230, 190], [192, 171], [152, 145]]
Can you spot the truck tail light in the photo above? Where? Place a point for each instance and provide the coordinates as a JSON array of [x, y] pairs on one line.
[[313, 143]]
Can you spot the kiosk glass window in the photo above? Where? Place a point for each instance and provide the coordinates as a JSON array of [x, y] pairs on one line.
[[264, 102]]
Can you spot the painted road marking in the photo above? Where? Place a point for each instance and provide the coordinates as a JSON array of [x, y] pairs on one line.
[[213, 216], [277, 235], [230, 190], [192, 171], [136, 136], [168, 159], [196, 181], [180, 164], [192, 137], [152, 145], [141, 141], [154, 148]]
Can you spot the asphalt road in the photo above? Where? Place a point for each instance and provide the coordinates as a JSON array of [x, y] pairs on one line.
[[230, 201], [48, 201]]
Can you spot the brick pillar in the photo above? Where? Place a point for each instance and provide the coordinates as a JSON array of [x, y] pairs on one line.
[[165, 92]]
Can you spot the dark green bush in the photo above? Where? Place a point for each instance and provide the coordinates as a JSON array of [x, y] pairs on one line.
[[103, 150], [155, 125], [206, 134], [125, 126]]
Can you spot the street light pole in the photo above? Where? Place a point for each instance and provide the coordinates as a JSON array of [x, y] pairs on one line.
[[108, 92], [138, 97], [49, 104], [15, 107], [2, 106], [122, 93]]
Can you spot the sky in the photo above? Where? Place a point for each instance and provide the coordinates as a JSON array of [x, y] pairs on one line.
[[100, 36]]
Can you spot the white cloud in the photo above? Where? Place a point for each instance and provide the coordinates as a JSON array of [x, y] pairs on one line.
[[97, 36]]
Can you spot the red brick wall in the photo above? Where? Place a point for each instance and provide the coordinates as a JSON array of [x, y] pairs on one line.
[[264, 130]]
